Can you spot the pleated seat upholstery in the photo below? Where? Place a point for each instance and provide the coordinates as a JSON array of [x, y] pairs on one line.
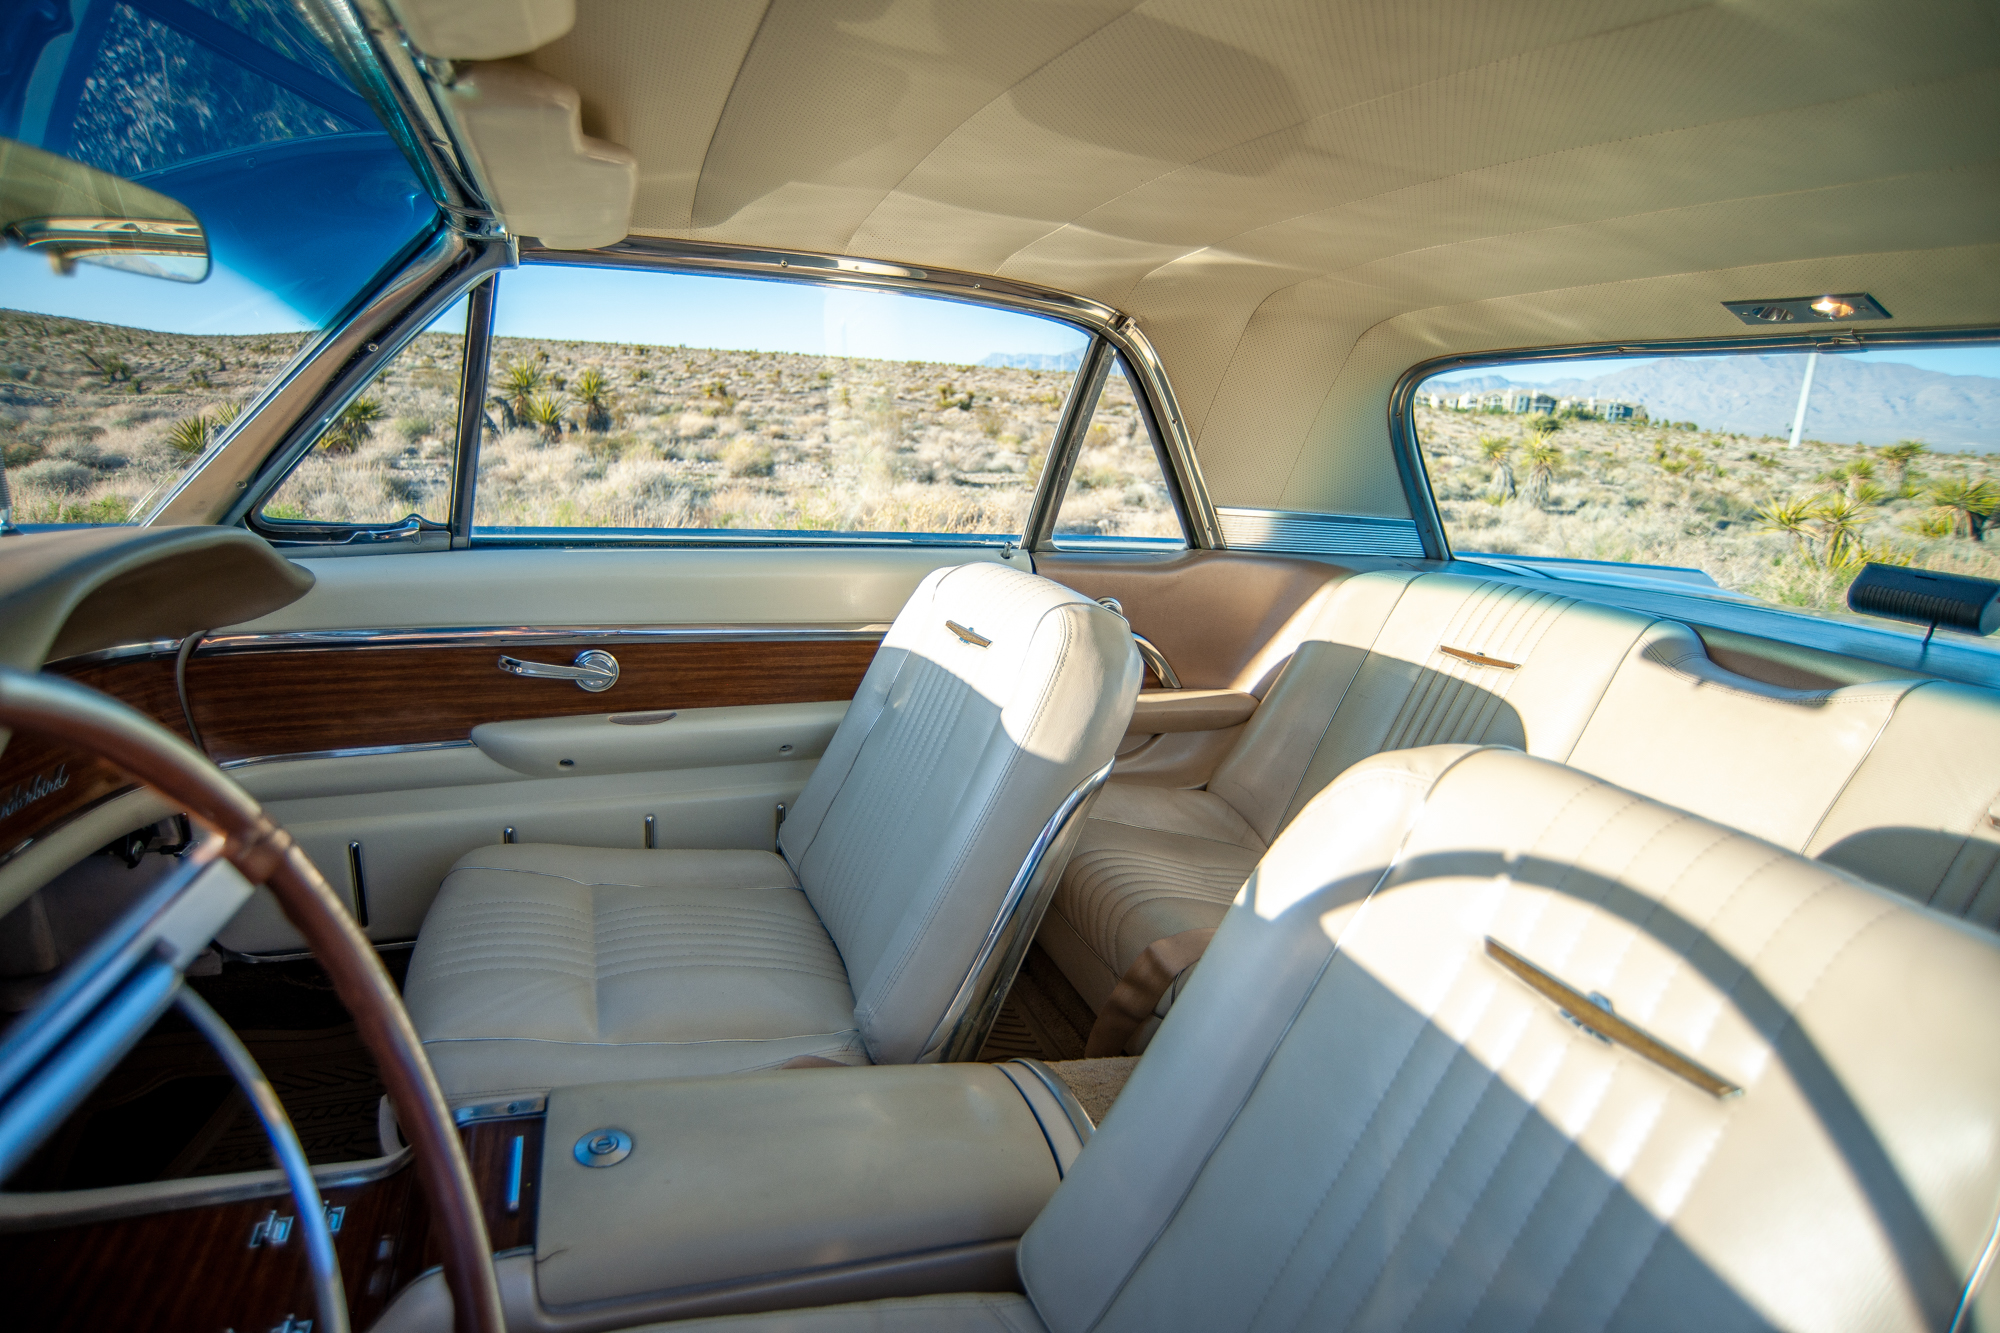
[[545, 965], [1358, 1117]]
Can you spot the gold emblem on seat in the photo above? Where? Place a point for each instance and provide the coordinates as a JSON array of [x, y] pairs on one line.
[[975, 639], [1593, 1014], [1479, 659]]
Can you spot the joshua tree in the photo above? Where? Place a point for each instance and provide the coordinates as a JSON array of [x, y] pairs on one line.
[[1496, 451], [1543, 459], [1971, 504], [1899, 456], [593, 391]]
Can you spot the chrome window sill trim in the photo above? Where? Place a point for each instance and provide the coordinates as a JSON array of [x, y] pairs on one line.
[[69, 1208], [356, 752], [719, 537], [494, 636]]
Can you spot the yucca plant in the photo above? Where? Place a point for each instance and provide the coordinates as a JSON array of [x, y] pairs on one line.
[[593, 392], [1970, 503], [519, 383], [1793, 518], [352, 427], [1840, 523], [1899, 456], [547, 412], [191, 435], [1497, 451], [1544, 457]]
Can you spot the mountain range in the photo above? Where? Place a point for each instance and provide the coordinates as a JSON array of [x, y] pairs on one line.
[[1869, 402], [1034, 360]]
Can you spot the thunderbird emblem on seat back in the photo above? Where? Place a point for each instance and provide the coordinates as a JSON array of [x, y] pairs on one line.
[[975, 639]]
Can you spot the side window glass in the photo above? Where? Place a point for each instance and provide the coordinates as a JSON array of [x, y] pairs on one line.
[[1776, 475], [389, 454], [1117, 491], [644, 401]]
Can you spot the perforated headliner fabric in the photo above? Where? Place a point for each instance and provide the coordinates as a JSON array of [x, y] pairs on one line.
[[1299, 200]]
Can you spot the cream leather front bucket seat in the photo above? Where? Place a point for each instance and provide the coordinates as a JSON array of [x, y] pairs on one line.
[[996, 697], [1373, 1108]]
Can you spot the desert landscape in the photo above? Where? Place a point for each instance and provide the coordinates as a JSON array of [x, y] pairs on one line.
[[1790, 526], [94, 418]]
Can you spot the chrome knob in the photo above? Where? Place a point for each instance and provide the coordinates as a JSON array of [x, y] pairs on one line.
[[603, 1147]]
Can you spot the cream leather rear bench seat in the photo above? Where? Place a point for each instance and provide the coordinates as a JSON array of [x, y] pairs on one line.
[[1894, 780]]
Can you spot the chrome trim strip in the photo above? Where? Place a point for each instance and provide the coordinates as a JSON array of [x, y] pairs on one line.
[[495, 636], [69, 1208], [1077, 410], [1320, 533], [509, 1110], [1079, 1119], [504, 636], [1600, 1021], [1150, 654], [967, 1020], [358, 752], [1114, 326]]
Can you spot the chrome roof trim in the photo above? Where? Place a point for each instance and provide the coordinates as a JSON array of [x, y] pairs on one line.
[[1116, 327]]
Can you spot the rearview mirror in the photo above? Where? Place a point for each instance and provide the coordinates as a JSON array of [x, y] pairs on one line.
[[70, 212]]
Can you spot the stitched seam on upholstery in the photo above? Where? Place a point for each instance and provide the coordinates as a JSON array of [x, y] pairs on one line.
[[1172, 832], [1326, 728], [706, 1041], [605, 883], [1855, 772], [1624, 659], [1277, 1044]]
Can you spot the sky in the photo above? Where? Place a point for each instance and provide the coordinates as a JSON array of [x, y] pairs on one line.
[[223, 302], [1945, 360], [670, 309]]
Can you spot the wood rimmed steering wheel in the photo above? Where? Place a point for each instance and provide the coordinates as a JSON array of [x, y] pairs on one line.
[[265, 854]]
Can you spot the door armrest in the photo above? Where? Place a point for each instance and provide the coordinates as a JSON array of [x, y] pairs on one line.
[[1190, 710]]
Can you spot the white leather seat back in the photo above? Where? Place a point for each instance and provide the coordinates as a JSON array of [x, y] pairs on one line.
[[1384, 666], [950, 760], [1356, 1117]]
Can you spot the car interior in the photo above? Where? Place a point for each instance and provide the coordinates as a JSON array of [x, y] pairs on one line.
[[873, 666]]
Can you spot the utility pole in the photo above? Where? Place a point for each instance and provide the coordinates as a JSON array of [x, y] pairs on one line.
[[1805, 392]]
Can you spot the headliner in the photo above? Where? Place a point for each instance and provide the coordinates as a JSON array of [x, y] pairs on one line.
[[1298, 201]]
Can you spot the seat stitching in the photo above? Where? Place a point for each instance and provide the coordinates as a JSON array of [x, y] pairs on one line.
[[612, 1045], [605, 883]]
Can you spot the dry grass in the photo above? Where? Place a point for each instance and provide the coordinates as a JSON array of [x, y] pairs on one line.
[[88, 411], [1649, 494]]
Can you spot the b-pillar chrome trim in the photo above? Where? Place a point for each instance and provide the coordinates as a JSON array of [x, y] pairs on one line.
[[969, 1017]]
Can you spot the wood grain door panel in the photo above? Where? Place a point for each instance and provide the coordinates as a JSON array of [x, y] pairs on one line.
[[302, 701]]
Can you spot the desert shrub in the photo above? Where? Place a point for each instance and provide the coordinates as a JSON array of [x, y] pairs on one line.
[[191, 435], [412, 429], [60, 475], [746, 457]]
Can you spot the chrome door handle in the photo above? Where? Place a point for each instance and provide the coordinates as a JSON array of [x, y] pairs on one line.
[[595, 670], [1157, 660]]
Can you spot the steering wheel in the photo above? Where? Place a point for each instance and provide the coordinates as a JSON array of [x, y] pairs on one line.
[[107, 998]]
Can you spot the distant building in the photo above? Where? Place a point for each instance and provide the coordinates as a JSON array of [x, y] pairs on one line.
[[1607, 409], [1527, 400]]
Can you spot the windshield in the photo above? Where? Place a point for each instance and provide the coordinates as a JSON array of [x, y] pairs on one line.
[[229, 113]]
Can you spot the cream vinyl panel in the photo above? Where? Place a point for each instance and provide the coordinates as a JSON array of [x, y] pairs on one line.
[[1299, 200], [595, 586]]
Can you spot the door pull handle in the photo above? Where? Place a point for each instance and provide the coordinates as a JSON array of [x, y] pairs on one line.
[[595, 670]]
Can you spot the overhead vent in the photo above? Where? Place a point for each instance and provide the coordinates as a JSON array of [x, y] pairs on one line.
[[1845, 308], [545, 176], [483, 29]]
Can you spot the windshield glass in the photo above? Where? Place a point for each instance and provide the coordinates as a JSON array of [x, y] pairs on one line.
[[229, 113], [1775, 475]]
